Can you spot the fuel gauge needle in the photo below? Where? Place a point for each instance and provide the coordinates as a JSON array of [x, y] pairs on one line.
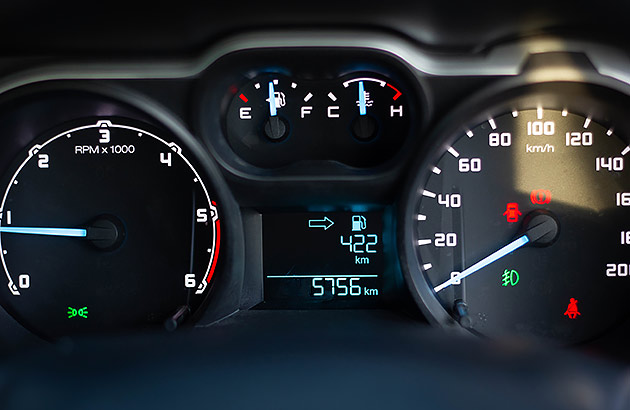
[[275, 127], [540, 228], [71, 232], [272, 100]]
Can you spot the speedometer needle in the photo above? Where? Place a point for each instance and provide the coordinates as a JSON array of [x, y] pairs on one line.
[[542, 228], [72, 232], [507, 249]]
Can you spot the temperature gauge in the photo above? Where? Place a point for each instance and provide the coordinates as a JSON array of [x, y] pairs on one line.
[[376, 102]]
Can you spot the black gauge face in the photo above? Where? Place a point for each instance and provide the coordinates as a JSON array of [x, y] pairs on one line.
[[522, 226], [105, 226], [360, 120]]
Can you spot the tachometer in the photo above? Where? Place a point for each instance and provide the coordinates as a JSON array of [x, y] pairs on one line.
[[104, 226], [519, 225]]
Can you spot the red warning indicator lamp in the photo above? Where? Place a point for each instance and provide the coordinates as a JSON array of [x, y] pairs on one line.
[[572, 310], [511, 212], [540, 196]]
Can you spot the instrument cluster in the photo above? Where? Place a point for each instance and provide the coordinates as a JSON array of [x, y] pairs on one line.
[[473, 192]]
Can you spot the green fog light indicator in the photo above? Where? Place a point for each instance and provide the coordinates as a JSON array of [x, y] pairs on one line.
[[72, 312], [510, 277]]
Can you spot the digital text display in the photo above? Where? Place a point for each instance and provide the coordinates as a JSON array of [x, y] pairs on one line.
[[328, 259]]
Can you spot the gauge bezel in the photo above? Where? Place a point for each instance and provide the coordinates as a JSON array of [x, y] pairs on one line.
[[327, 64]]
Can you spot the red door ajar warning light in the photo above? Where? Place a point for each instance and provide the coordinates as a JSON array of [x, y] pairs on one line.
[[511, 212], [540, 196], [572, 309]]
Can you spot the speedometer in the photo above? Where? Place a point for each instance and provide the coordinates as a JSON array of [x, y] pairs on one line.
[[519, 225]]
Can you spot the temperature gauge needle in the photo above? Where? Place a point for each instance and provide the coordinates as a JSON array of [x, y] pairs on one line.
[[364, 127], [542, 229], [362, 107], [72, 232]]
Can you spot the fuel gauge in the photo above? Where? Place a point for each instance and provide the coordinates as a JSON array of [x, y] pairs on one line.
[[264, 109]]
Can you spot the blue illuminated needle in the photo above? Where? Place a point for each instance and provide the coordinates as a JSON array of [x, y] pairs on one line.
[[106, 232], [72, 232], [362, 107], [272, 100], [363, 127], [541, 229], [275, 127]]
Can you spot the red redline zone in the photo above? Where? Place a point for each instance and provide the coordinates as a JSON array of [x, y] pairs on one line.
[[242, 97], [216, 252], [398, 93]]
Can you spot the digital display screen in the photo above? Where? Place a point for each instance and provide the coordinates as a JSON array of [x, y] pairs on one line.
[[328, 259]]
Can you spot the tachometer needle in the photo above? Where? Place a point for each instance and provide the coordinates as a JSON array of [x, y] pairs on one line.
[[72, 232]]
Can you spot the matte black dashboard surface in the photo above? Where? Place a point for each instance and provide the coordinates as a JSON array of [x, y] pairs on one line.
[[143, 28], [333, 359]]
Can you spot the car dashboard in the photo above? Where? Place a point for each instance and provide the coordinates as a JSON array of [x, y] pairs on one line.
[[385, 207]]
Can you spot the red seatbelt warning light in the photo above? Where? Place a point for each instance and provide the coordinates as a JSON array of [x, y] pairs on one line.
[[540, 196], [572, 309], [511, 212]]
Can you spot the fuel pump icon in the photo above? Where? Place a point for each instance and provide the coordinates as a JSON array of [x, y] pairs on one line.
[[358, 223]]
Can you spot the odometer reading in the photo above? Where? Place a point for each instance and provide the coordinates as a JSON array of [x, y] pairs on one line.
[[517, 227]]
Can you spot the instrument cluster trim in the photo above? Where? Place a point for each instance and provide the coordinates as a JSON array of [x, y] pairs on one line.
[[503, 60]]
